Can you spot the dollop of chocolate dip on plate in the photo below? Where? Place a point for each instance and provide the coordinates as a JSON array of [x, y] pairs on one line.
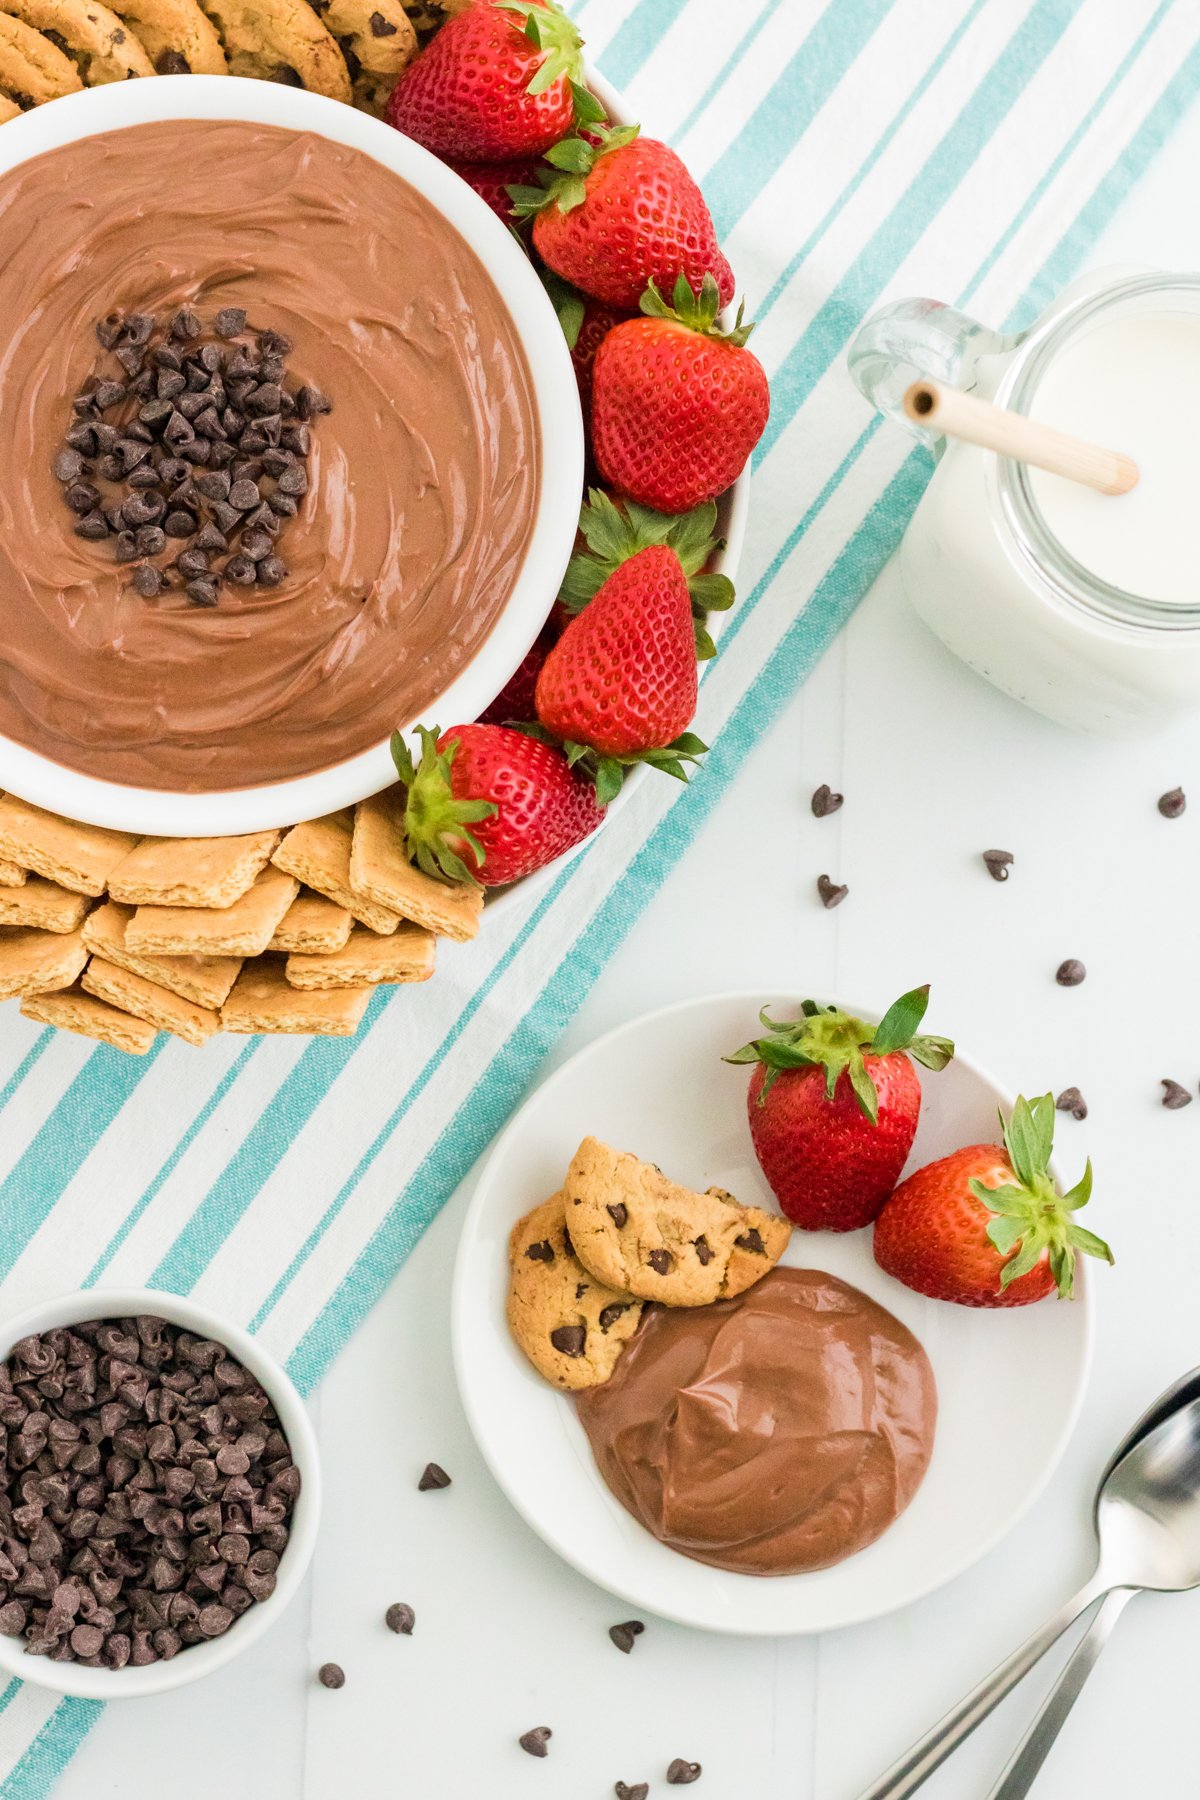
[[770, 1434], [423, 479]]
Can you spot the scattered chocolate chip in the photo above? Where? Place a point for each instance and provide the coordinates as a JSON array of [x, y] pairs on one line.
[[244, 495], [825, 801], [569, 1340], [998, 863], [623, 1635], [682, 1774], [1171, 805], [400, 1618], [202, 591], [68, 465], [1072, 1101], [271, 571], [192, 562], [610, 1314], [831, 894], [93, 525], [638, 1791], [179, 524], [147, 581], [240, 570], [432, 1477], [230, 322], [704, 1251], [381, 27], [752, 1240], [186, 325], [331, 1675], [661, 1261], [542, 1252], [536, 1741], [618, 1214], [1175, 1095], [310, 402], [1070, 973]]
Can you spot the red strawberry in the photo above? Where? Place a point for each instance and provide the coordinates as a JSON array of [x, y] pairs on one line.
[[498, 81], [622, 213], [492, 181], [598, 320], [619, 687], [833, 1107], [514, 704], [489, 805], [987, 1226], [677, 404]]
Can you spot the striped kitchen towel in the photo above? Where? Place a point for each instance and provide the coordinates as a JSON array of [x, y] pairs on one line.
[[850, 150]]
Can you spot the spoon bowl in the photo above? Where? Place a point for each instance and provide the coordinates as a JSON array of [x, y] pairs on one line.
[[1148, 1508]]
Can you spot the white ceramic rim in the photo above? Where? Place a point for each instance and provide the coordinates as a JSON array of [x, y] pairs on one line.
[[196, 1660], [162, 813], [464, 1326]]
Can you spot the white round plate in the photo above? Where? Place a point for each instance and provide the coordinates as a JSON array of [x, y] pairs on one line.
[[658, 1087]]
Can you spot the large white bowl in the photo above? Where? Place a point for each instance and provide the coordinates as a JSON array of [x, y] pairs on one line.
[[195, 1660], [657, 1086], [160, 813]]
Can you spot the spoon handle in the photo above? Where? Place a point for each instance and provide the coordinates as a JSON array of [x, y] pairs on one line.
[[1021, 1772], [930, 1752]]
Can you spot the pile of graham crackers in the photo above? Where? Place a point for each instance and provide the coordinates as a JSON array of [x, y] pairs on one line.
[[118, 937]]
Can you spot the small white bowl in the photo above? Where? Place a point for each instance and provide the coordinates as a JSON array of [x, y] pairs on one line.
[[195, 1660], [161, 813]]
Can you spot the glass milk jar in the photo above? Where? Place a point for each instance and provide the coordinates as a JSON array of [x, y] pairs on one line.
[[1082, 605]]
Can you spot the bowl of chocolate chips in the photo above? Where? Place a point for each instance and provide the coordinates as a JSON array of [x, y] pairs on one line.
[[159, 1493]]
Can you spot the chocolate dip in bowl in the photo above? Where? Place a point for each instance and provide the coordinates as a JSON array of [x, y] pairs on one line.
[[423, 521]]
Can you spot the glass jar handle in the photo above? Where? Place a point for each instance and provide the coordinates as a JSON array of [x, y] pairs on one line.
[[910, 339]]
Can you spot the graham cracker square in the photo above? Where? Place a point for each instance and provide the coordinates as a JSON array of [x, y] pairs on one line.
[[158, 1006], [367, 959], [318, 854], [11, 873], [204, 980], [73, 1010], [311, 925], [42, 904], [33, 962], [264, 1000], [79, 857], [243, 929], [191, 871], [381, 872]]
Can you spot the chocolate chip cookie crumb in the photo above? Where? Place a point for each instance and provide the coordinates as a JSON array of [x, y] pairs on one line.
[[1072, 1101], [1070, 973], [1173, 804], [331, 1675], [682, 1774], [623, 1635], [998, 863], [1175, 1095], [825, 801], [201, 427], [145, 1493], [432, 1477], [537, 1741], [400, 1618], [831, 894]]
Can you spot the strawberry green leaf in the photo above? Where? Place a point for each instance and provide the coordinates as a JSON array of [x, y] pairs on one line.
[[588, 110], [573, 154], [549, 29], [1031, 1220], [568, 304], [436, 823], [705, 648], [899, 1023], [1089, 1243], [615, 533], [1081, 1193], [609, 779], [932, 1052], [696, 310], [1004, 1233], [711, 593], [864, 1089]]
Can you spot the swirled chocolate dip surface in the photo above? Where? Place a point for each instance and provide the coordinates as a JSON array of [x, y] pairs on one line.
[[423, 479], [777, 1432]]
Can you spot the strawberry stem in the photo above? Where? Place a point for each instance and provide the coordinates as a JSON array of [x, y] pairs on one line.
[[696, 310], [1031, 1218], [825, 1037], [436, 821]]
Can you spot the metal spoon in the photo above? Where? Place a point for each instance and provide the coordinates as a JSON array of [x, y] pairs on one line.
[[1148, 1523], [1021, 1770]]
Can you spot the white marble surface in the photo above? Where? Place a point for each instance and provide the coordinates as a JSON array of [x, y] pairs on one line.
[[935, 768]]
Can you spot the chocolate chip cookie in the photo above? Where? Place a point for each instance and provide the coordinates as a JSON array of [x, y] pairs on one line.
[[635, 1230], [176, 36], [94, 39], [8, 109], [280, 40], [377, 40], [32, 69], [570, 1326]]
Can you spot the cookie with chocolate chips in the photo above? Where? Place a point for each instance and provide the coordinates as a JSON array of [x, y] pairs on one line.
[[634, 1229], [570, 1326], [32, 69], [377, 40], [93, 38], [8, 109], [280, 40], [175, 34]]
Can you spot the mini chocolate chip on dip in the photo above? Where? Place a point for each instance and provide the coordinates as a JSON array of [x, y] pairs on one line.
[[147, 1492], [156, 629]]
